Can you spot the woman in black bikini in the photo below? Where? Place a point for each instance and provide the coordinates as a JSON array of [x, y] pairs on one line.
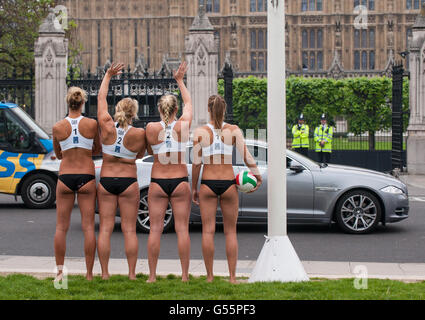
[[167, 140], [75, 141], [122, 144], [213, 145]]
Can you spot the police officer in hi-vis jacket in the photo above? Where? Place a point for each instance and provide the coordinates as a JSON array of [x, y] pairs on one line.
[[300, 131], [323, 136]]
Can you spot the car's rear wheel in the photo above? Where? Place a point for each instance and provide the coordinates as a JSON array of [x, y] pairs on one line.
[[143, 223], [39, 191], [358, 212]]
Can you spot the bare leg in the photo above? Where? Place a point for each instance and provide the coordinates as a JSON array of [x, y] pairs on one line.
[[87, 202], [158, 203], [128, 202], [208, 206], [107, 212], [181, 204], [229, 203], [65, 199]]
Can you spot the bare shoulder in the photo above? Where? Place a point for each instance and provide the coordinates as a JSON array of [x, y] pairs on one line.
[[91, 123], [59, 126], [233, 128]]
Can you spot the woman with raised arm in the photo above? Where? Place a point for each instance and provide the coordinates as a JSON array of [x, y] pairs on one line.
[[122, 144], [75, 141], [212, 148], [167, 141]]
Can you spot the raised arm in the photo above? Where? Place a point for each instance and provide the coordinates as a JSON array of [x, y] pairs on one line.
[[103, 115], [187, 100], [247, 157]]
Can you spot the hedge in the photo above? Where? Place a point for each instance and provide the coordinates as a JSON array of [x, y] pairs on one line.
[[364, 102]]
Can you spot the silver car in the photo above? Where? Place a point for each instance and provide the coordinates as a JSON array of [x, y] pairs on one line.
[[357, 199]]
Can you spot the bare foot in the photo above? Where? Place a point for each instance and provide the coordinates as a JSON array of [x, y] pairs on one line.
[[132, 276], [185, 278], [105, 276], [210, 279], [151, 280], [89, 276], [58, 278], [233, 281]]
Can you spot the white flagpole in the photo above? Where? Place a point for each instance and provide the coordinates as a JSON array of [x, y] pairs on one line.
[[278, 260]]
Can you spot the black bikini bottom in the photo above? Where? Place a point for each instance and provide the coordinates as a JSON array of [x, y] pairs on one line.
[[169, 185], [76, 181], [219, 186], [116, 185]]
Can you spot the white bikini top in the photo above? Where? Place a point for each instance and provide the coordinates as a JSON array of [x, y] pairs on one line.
[[117, 149], [169, 144], [76, 140], [218, 146]]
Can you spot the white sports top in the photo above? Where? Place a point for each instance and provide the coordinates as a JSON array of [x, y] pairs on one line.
[[117, 149], [75, 139], [170, 144], [218, 146]]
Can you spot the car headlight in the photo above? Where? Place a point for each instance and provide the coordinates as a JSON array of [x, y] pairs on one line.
[[393, 190]]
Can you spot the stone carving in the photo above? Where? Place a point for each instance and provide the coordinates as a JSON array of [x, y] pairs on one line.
[[48, 25]]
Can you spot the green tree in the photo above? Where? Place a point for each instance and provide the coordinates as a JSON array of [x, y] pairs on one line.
[[367, 106], [19, 23]]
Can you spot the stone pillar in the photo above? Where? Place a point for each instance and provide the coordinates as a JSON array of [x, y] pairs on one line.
[[202, 56], [51, 62], [416, 128]]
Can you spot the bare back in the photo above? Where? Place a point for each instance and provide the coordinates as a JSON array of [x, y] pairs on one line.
[[219, 166], [134, 141], [171, 164], [76, 160]]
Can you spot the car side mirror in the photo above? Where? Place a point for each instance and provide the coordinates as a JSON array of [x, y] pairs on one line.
[[296, 168]]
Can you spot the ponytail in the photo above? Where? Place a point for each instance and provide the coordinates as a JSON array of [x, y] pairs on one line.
[[125, 111], [217, 109]]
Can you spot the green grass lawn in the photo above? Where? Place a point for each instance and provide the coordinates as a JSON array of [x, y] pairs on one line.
[[23, 287]]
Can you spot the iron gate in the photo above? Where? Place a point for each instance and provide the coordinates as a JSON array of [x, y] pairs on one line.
[[18, 89], [397, 118], [140, 85]]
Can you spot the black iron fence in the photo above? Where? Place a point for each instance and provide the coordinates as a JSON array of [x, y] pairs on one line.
[[140, 85], [18, 88]]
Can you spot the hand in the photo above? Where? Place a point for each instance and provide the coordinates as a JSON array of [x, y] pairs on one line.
[[195, 197], [115, 69], [259, 183], [179, 74], [322, 143]]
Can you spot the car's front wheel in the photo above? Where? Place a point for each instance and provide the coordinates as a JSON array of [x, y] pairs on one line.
[[143, 223], [358, 212]]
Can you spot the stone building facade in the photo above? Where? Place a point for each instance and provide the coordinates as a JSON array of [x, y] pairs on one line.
[[364, 33]]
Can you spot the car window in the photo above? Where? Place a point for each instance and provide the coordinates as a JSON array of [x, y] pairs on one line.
[[148, 159]]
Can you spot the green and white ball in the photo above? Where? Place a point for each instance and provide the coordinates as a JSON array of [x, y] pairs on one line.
[[246, 181]]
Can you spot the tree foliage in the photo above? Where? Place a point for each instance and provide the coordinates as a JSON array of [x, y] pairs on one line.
[[366, 103], [19, 23]]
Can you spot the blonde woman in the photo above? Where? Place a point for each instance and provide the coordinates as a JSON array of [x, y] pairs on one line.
[[213, 148], [167, 140], [122, 144], [75, 141]]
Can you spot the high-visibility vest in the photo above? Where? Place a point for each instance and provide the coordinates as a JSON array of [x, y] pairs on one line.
[[325, 134], [300, 135]]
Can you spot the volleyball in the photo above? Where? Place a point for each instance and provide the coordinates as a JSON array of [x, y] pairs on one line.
[[246, 181]]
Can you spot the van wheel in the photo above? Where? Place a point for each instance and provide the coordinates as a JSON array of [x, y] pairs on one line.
[[39, 191], [143, 223]]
